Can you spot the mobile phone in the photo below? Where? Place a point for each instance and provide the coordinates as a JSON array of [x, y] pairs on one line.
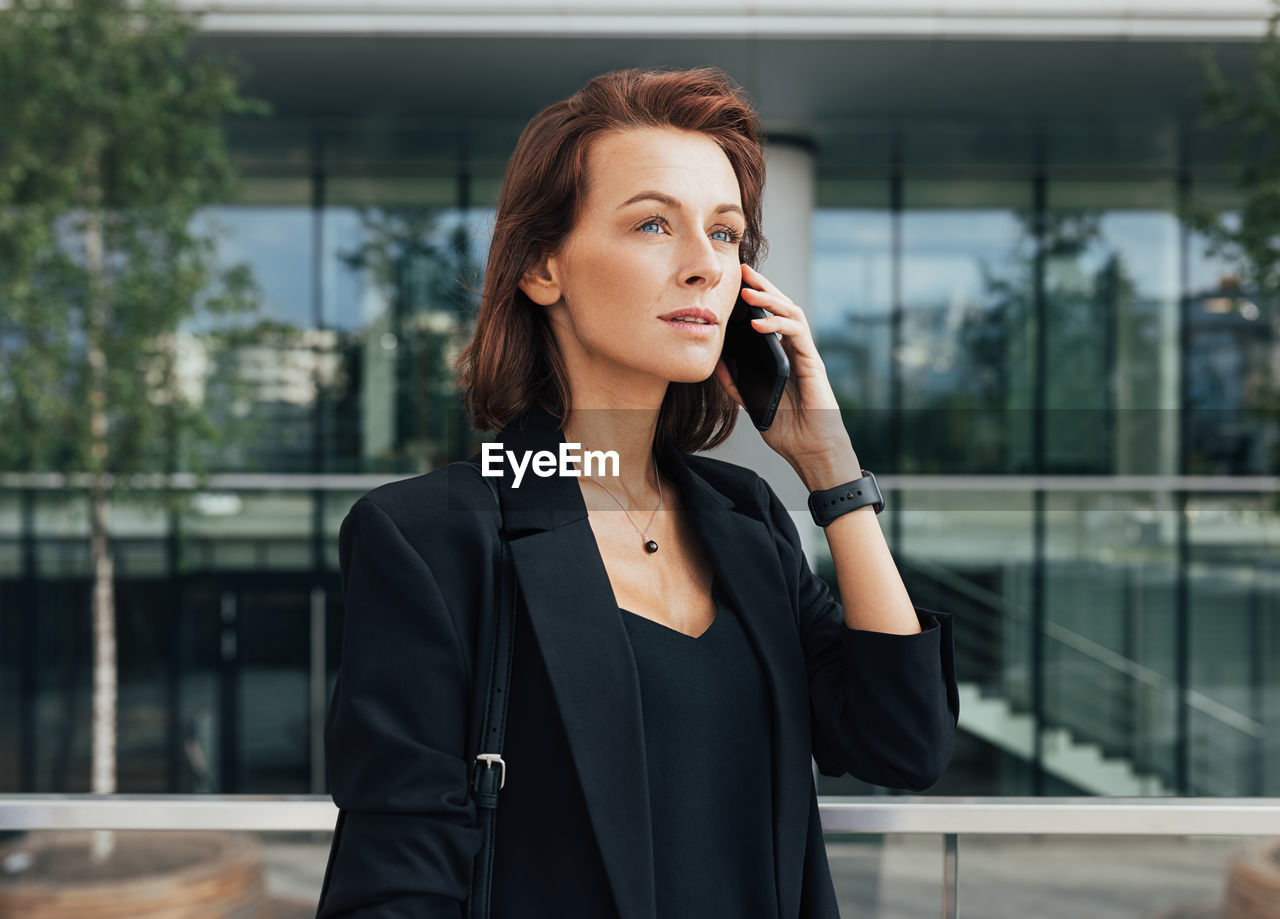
[[756, 362]]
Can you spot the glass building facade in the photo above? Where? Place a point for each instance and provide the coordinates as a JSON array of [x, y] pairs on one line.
[[1075, 408]]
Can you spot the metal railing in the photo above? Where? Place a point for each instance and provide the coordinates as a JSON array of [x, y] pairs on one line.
[[1086, 665], [948, 484], [948, 817]]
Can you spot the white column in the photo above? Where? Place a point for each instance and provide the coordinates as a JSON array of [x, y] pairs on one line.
[[788, 226]]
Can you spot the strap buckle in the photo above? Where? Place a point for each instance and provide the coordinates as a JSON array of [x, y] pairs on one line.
[[492, 758]]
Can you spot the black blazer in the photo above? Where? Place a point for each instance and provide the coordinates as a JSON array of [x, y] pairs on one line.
[[419, 560]]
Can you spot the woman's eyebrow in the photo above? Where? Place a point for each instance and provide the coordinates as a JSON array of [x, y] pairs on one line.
[[672, 202]]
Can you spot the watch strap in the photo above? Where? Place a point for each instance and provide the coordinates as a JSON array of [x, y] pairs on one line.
[[827, 504]]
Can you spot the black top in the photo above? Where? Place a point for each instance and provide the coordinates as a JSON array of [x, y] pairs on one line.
[[707, 747]]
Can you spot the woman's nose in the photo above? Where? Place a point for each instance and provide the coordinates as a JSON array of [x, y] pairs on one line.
[[703, 268]]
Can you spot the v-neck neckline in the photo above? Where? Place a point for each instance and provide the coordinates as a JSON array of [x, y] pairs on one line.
[[716, 595], [667, 628]]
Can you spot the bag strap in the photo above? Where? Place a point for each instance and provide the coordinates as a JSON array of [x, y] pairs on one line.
[[489, 770]]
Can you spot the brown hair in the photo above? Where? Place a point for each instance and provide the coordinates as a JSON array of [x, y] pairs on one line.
[[512, 361]]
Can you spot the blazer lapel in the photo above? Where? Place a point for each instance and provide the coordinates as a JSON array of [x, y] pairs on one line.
[[584, 642]]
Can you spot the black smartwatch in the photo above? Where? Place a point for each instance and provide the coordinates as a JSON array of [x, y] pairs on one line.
[[829, 503]]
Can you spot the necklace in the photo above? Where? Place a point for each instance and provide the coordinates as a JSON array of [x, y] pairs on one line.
[[650, 545]]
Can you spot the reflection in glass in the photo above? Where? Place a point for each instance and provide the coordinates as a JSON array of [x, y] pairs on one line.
[[965, 352], [266, 390], [1111, 285], [272, 660], [1233, 368], [1234, 608], [15, 615], [1111, 694], [970, 553], [401, 282], [886, 874], [1104, 877], [63, 700], [202, 650], [248, 531], [852, 303]]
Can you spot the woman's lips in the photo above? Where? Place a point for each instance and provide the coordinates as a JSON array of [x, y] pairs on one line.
[[692, 328]]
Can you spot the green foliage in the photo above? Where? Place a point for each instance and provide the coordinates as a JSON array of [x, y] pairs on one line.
[[1250, 240], [107, 120]]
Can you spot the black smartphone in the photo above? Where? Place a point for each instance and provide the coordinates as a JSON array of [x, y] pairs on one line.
[[756, 362]]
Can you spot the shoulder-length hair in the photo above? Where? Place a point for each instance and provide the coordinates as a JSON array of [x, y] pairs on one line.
[[511, 361]]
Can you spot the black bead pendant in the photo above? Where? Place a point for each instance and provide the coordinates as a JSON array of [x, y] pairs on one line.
[[651, 547]]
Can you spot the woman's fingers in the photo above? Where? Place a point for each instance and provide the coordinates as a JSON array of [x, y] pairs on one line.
[[778, 323], [774, 302], [785, 317], [807, 384], [756, 278]]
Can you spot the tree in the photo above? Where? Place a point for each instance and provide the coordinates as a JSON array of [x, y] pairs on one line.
[[111, 140], [1249, 240]]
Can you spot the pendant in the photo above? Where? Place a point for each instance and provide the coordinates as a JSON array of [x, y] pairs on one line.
[[651, 547]]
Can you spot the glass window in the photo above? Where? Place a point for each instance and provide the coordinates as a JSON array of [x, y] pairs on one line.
[[964, 354], [64, 667], [145, 621], [1112, 333], [10, 534], [1234, 644], [262, 395], [206, 706], [272, 657], [969, 552], [62, 535], [17, 621], [248, 530], [1109, 646], [853, 301], [274, 240], [1123, 876], [63, 682], [401, 271], [1233, 358], [337, 504]]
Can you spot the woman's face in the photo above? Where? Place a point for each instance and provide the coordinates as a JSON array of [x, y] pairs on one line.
[[634, 258]]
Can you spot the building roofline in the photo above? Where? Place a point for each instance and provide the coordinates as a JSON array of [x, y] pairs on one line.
[[1158, 20]]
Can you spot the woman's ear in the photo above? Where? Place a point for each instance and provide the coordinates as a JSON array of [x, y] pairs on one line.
[[539, 285]]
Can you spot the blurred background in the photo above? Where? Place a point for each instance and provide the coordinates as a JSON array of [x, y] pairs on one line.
[[1036, 268]]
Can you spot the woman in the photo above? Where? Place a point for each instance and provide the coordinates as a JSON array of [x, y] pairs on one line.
[[675, 668]]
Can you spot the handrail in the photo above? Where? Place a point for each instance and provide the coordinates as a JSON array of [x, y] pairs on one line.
[[1090, 648], [915, 814]]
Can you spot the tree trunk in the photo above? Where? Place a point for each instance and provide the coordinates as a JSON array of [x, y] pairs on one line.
[[104, 665], [104, 634]]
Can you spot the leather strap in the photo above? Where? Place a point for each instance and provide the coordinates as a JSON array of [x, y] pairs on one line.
[[488, 770]]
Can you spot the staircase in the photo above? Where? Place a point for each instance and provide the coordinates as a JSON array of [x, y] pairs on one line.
[[1079, 763], [1095, 698]]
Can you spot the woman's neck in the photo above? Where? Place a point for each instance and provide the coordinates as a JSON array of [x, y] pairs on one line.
[[627, 432]]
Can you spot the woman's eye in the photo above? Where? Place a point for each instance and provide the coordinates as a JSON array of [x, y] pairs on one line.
[[731, 235]]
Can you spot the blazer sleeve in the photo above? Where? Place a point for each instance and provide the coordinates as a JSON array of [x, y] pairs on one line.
[[395, 735], [884, 707]]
